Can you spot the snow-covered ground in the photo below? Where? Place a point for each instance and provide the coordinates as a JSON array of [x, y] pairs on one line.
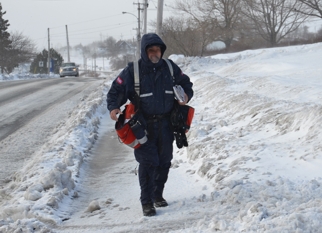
[[252, 165]]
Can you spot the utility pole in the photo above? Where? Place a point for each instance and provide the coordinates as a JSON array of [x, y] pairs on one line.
[[139, 29], [95, 64], [138, 38], [139, 32], [48, 52], [95, 55], [145, 15], [160, 17], [68, 57]]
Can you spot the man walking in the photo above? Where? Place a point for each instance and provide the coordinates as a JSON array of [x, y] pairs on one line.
[[156, 102]]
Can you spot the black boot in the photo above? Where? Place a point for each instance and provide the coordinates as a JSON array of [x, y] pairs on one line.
[[160, 202], [148, 209]]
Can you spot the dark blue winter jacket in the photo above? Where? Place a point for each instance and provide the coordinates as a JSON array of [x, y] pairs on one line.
[[156, 82]]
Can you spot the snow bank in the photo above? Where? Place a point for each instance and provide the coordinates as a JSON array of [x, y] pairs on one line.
[[177, 58], [19, 76], [50, 177], [256, 138]]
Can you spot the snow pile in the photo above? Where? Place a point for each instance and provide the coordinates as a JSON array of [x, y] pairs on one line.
[[19, 76], [178, 59], [256, 137], [41, 186], [216, 45]]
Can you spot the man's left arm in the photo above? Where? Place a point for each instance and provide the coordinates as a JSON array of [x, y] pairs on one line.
[[183, 80]]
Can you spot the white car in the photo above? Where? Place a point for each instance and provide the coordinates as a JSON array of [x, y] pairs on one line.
[[68, 69]]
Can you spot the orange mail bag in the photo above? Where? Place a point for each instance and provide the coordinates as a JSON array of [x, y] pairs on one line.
[[129, 129]]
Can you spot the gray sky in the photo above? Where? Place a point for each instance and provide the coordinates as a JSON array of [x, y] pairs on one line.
[[87, 20]]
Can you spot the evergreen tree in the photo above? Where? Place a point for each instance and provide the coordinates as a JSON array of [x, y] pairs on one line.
[[42, 58], [5, 43]]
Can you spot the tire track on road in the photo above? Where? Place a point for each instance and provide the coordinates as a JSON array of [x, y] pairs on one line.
[[28, 132], [8, 129]]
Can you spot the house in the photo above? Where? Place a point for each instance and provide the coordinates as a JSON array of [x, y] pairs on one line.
[[125, 48]]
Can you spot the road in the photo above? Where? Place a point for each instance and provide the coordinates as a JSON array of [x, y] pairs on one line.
[[30, 112]]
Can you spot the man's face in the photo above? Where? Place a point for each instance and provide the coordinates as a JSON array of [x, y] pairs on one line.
[[154, 53]]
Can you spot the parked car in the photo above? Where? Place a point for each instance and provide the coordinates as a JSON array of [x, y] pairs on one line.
[[68, 69]]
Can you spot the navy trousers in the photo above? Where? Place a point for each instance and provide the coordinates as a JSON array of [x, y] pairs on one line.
[[154, 158]]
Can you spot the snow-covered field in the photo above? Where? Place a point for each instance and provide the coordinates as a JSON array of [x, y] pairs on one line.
[[255, 148]]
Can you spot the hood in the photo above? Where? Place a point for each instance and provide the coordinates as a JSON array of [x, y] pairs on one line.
[[151, 39]]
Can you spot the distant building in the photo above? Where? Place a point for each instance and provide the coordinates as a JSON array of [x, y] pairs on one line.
[[125, 48]]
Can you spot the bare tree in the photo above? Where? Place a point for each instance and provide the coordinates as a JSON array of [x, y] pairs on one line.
[[110, 47], [24, 45], [274, 19], [85, 51], [22, 50], [314, 8], [183, 36], [220, 19], [226, 14]]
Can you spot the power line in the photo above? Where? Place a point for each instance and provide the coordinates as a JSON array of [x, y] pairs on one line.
[[87, 31], [91, 20], [80, 32]]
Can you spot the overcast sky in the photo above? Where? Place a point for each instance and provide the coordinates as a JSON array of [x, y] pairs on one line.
[[87, 20]]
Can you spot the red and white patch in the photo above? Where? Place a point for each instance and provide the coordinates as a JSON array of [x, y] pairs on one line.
[[182, 73], [119, 80]]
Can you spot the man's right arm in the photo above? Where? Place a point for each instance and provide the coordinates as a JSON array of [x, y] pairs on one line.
[[113, 114], [118, 93]]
